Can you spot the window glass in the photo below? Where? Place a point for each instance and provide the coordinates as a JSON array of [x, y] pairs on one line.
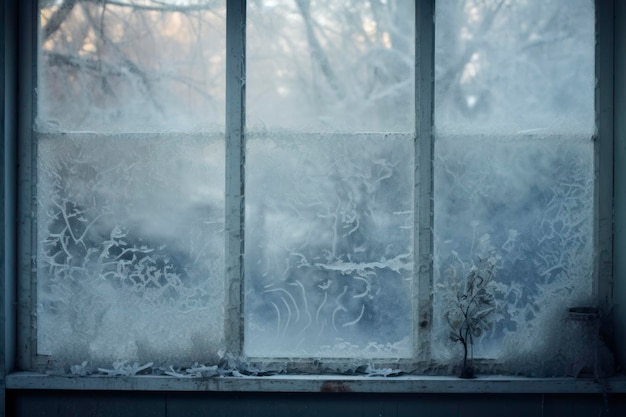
[[331, 66], [131, 65], [329, 217], [514, 176], [329, 246], [130, 183], [130, 227], [514, 66]]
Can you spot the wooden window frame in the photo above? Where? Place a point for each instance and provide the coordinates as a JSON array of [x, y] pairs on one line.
[[18, 358]]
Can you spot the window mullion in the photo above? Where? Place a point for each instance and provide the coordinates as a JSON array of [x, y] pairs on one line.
[[235, 172], [424, 93], [9, 192], [603, 157], [26, 195]]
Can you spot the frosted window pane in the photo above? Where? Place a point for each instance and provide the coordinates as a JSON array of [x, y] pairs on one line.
[[508, 66], [514, 117], [329, 247], [130, 248], [331, 65], [530, 204], [132, 65]]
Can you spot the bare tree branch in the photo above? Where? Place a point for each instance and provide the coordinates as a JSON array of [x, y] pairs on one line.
[[133, 68], [158, 7], [317, 52], [58, 17]]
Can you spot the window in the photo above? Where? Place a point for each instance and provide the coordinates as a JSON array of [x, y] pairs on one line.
[[308, 183]]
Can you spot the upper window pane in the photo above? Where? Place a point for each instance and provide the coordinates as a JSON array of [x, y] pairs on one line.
[[331, 66], [131, 65], [511, 66]]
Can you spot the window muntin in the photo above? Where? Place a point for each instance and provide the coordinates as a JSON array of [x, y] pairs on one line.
[[441, 138]]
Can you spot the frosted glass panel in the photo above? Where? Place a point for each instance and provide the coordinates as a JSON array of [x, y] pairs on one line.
[[331, 65], [509, 66], [529, 205], [130, 248], [514, 176], [119, 66], [329, 247]]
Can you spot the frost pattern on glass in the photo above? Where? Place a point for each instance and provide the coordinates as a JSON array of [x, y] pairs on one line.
[[131, 65], [130, 249], [514, 118], [331, 65], [504, 66], [329, 247], [526, 202]]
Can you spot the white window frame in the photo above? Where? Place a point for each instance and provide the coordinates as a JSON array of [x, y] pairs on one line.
[[20, 337]]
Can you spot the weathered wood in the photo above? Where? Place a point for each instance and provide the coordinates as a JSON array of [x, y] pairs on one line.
[[603, 156], [26, 198], [235, 171], [319, 383], [424, 146], [619, 186]]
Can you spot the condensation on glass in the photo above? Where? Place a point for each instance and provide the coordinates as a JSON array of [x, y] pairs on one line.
[[132, 66], [331, 66], [329, 247], [130, 226], [514, 119], [329, 209]]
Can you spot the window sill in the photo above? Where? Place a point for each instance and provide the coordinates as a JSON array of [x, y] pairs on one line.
[[321, 383]]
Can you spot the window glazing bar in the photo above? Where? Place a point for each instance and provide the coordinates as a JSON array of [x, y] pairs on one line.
[[3, 165], [8, 164], [26, 280], [619, 158], [424, 99], [603, 156], [235, 171]]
